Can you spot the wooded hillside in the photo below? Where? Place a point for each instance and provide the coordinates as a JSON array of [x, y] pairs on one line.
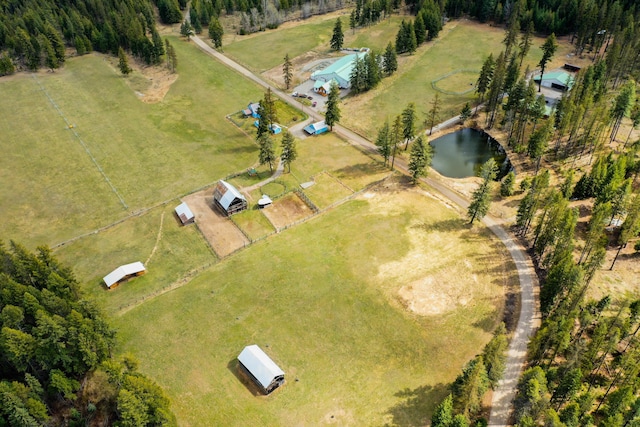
[[55, 353]]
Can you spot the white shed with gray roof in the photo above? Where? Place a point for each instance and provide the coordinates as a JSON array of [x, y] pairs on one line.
[[262, 370], [185, 214], [123, 273]]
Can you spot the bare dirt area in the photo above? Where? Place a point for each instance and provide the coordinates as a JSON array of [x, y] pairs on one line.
[[287, 210], [221, 233], [150, 83]]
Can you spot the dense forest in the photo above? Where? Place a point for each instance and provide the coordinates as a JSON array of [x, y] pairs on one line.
[[56, 366]]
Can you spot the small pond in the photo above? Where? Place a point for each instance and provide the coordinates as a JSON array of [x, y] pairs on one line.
[[461, 154]]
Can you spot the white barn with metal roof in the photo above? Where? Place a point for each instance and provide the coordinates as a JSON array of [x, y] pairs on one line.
[[123, 273], [262, 370], [227, 198], [185, 214]]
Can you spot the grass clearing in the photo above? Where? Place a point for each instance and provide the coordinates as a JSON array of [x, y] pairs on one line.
[[169, 251], [322, 300], [152, 153], [461, 45], [326, 190], [254, 224]]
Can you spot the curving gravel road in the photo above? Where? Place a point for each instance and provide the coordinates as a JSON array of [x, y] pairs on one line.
[[529, 319]]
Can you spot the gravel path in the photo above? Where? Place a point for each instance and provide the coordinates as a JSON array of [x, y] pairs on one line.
[[528, 321]]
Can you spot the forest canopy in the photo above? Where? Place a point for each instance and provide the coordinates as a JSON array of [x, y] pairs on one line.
[[55, 353]]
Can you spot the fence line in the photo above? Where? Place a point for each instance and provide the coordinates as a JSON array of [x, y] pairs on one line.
[[86, 148]]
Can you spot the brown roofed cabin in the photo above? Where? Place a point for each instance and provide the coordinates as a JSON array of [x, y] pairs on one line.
[[228, 199]]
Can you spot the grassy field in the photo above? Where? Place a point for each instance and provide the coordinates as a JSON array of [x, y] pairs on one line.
[[322, 299], [148, 152], [170, 252], [461, 45], [300, 39]]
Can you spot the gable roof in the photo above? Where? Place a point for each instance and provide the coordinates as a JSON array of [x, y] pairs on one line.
[[184, 213], [342, 67], [123, 271], [260, 365], [315, 127], [228, 194], [560, 76]]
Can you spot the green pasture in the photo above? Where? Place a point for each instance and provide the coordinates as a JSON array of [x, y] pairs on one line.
[[263, 51], [465, 46], [180, 252], [321, 300], [375, 37], [148, 152], [315, 35], [253, 223]]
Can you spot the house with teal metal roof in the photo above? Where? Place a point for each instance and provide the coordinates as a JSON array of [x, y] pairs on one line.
[[340, 71], [559, 80]]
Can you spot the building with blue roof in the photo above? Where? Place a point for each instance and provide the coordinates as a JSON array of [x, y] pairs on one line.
[[340, 71], [317, 128]]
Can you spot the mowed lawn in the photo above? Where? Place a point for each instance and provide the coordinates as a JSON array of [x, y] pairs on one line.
[[323, 300], [462, 45], [52, 189]]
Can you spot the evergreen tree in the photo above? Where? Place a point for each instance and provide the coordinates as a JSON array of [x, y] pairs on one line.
[[525, 42], [507, 184], [332, 114], [337, 39], [123, 62], [465, 113], [358, 77], [6, 65], [383, 142], [390, 63], [434, 113], [443, 415], [352, 21], [395, 137], [495, 355], [289, 150], [539, 142], [469, 388], [186, 30], [621, 107], [419, 30], [373, 70], [409, 123], [172, 58], [267, 153], [481, 198], [420, 159], [486, 75], [216, 32], [548, 50], [287, 72]]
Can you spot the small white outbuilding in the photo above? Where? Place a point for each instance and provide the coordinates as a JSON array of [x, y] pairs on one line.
[[123, 273], [185, 214], [260, 368]]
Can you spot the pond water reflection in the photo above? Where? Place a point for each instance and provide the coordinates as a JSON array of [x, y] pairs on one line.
[[461, 154]]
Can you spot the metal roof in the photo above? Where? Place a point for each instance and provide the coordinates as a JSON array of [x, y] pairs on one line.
[[341, 68], [561, 77], [260, 365], [184, 213], [229, 194], [123, 271], [315, 127]]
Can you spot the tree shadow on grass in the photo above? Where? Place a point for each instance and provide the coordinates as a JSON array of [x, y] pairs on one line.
[[448, 225], [417, 405]]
